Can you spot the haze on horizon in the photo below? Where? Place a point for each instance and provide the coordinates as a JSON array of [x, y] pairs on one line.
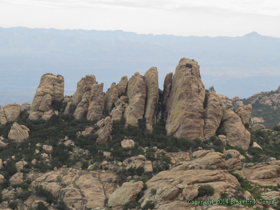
[[173, 17]]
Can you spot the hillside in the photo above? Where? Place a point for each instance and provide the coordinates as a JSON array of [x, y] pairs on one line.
[[235, 66], [136, 147]]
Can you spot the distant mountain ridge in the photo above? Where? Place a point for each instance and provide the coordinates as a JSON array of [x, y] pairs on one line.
[[238, 66]]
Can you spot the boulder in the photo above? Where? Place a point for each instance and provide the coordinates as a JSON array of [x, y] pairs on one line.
[[2, 179], [223, 139], [127, 193], [1, 163], [111, 97], [185, 103], [236, 133], [244, 112], [25, 106], [136, 92], [151, 80], [226, 101], [104, 131], [207, 159], [12, 111], [167, 86], [258, 127], [122, 86], [127, 143], [96, 102], [234, 163], [3, 118], [3, 144], [255, 145], [48, 148], [213, 114], [51, 88], [82, 107], [20, 164], [16, 178], [18, 133]]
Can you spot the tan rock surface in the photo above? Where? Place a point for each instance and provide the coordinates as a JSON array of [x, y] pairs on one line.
[[126, 143], [136, 92], [151, 80], [83, 86], [12, 111], [258, 127], [51, 88], [3, 118], [104, 133], [48, 148], [167, 86], [244, 112], [125, 194], [82, 107], [177, 184], [226, 101], [234, 163], [236, 133], [111, 97], [17, 178], [25, 106], [18, 133], [118, 111], [185, 104], [122, 86], [96, 102], [214, 114]]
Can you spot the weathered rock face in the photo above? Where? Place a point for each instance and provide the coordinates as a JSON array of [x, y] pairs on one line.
[[207, 159], [96, 102], [51, 88], [18, 133], [178, 185], [258, 127], [151, 80], [25, 106], [236, 133], [105, 129], [214, 114], [122, 86], [125, 194], [82, 96], [185, 104], [3, 118], [136, 92], [118, 111], [226, 101], [111, 97], [167, 86], [83, 86], [16, 178], [12, 111], [127, 143], [244, 112]]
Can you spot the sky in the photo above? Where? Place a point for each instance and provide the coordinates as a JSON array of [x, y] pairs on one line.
[[176, 17]]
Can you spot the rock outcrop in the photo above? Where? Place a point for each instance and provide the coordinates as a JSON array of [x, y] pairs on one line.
[[151, 80], [244, 112], [118, 111], [18, 133], [51, 88], [258, 127], [104, 131], [213, 114], [111, 97], [125, 194], [136, 92], [185, 104], [96, 102], [167, 86], [122, 86], [10, 112], [236, 133]]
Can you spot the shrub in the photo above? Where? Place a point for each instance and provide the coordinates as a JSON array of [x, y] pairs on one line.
[[205, 190], [148, 205], [61, 206], [41, 206], [45, 193], [153, 191], [85, 165], [13, 205], [188, 65]]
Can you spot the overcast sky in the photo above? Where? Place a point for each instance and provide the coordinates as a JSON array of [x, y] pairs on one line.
[[177, 17]]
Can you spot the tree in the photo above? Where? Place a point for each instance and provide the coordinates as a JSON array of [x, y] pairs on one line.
[[212, 89]]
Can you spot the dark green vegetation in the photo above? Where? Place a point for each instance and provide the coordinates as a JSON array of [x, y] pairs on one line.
[[205, 190]]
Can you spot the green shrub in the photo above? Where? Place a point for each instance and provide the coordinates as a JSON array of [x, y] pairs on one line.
[[188, 65], [205, 190], [149, 205], [153, 191], [62, 206], [41, 206], [85, 165], [13, 205], [40, 191]]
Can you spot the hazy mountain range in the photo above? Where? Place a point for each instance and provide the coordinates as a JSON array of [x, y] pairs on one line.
[[235, 66]]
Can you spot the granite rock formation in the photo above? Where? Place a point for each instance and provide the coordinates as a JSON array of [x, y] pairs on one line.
[[185, 103], [51, 88], [18, 133]]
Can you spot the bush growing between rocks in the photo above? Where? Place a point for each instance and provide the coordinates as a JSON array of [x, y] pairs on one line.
[[153, 191], [205, 190], [41, 206]]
